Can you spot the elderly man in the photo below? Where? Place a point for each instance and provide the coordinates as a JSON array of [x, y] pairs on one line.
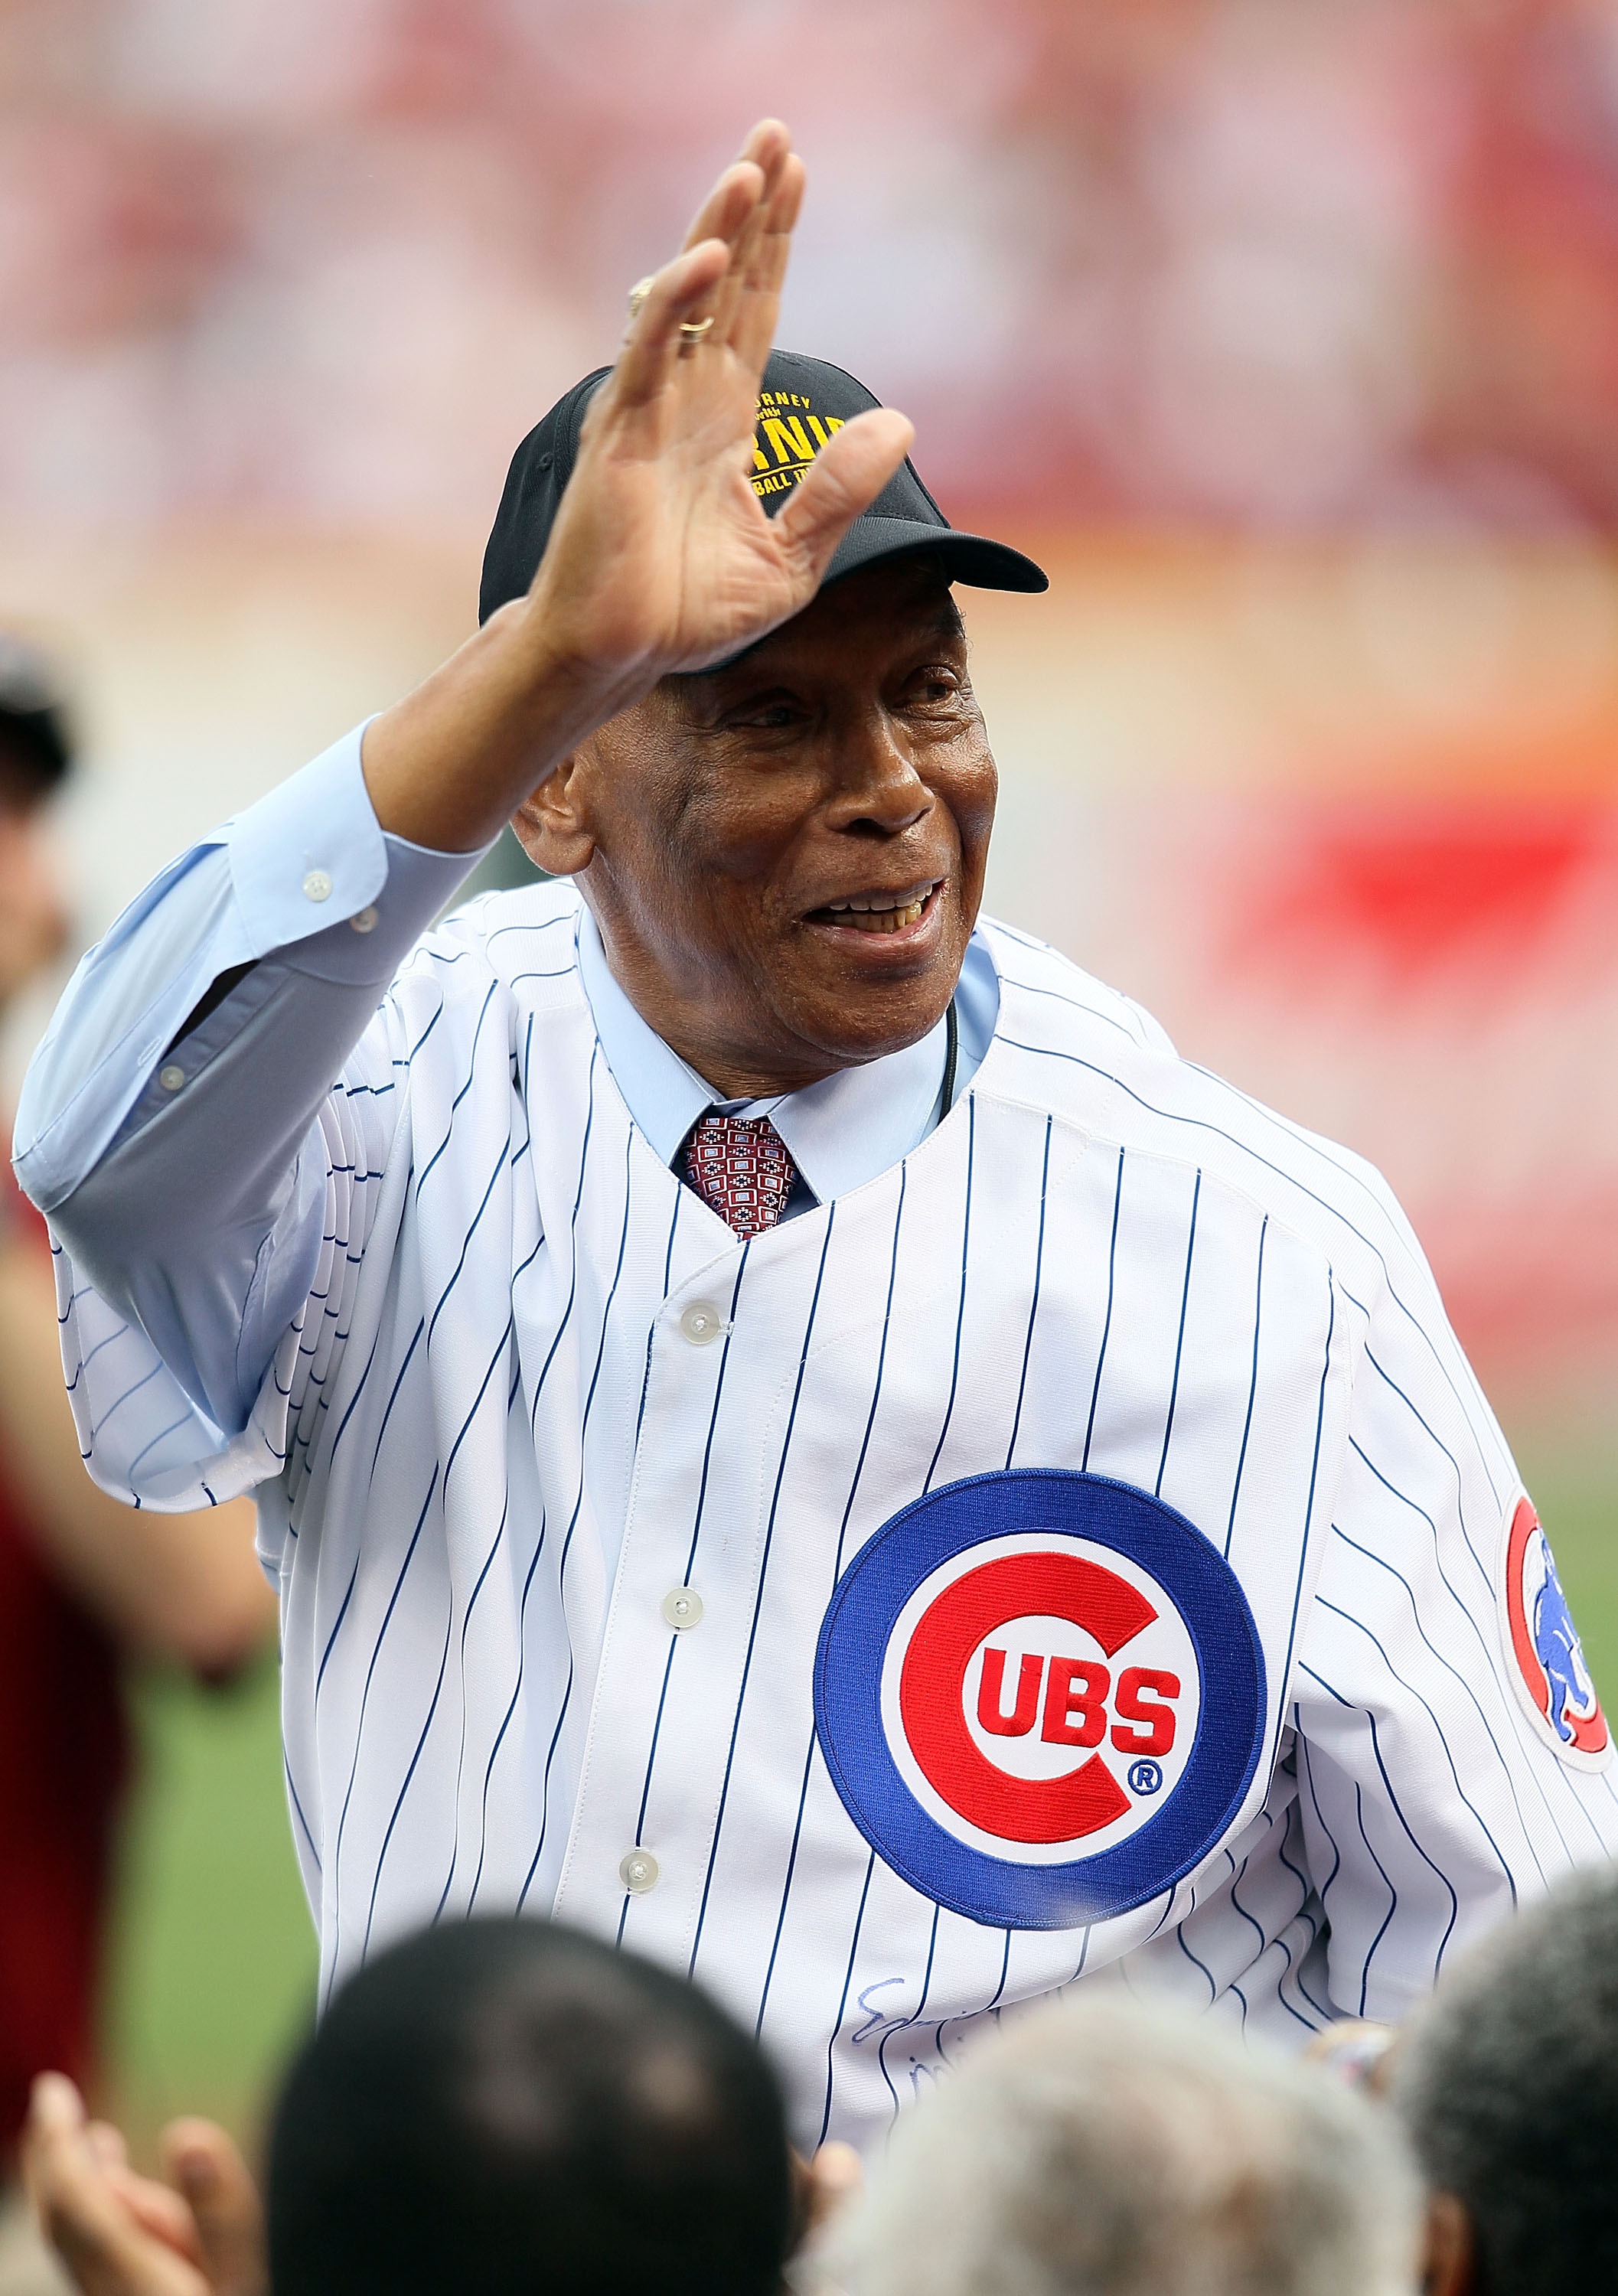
[[792, 1430]]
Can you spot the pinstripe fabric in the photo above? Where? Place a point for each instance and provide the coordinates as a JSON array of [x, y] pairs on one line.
[[488, 1449]]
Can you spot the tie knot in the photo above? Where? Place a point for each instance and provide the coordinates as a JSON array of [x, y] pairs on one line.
[[740, 1168]]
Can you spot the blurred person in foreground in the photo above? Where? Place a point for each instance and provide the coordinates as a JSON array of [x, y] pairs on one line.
[[85, 1583], [495, 2108], [1508, 2083], [1110, 2147], [796, 1431]]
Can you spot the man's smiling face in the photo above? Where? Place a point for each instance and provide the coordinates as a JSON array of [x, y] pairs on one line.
[[785, 856]]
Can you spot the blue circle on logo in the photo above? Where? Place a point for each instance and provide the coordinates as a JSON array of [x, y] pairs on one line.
[[1063, 1507]]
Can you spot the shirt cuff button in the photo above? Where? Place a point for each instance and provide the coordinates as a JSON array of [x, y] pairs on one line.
[[364, 920], [317, 886]]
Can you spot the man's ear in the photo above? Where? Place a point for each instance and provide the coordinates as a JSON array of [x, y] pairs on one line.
[[552, 825], [1450, 2265]]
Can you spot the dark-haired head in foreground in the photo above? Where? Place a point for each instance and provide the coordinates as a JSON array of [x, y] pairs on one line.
[[1509, 2084], [500, 2106]]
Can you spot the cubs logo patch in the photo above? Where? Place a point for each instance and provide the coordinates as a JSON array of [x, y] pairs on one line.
[[1543, 1654], [1040, 1695]]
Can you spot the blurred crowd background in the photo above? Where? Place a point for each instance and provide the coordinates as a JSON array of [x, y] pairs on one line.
[[1286, 334]]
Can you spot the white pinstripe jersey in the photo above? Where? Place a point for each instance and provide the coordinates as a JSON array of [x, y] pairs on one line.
[[498, 1438]]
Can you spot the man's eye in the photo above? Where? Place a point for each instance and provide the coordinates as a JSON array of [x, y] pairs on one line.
[[774, 715]]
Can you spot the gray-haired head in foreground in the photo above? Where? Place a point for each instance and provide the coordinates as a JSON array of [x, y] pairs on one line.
[[1509, 2083], [1111, 2149]]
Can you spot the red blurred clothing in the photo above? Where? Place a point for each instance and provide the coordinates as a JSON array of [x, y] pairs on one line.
[[63, 1763]]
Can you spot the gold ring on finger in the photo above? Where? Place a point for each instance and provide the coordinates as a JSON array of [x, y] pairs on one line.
[[693, 331], [639, 292]]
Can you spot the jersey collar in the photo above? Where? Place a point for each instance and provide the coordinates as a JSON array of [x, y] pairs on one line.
[[841, 1132]]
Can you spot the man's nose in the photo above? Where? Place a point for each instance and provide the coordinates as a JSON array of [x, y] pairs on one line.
[[879, 789]]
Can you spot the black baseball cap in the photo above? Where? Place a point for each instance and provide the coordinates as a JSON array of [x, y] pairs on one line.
[[801, 401]]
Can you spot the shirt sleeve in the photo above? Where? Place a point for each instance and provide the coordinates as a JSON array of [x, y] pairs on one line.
[[1433, 1800], [198, 1178]]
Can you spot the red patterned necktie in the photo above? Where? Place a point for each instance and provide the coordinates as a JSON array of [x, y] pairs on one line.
[[740, 1168]]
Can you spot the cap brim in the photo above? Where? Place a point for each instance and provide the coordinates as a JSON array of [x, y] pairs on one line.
[[969, 558]]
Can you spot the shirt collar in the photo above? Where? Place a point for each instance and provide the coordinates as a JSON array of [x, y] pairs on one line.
[[840, 1133]]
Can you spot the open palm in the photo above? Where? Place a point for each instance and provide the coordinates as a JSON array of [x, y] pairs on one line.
[[662, 558]]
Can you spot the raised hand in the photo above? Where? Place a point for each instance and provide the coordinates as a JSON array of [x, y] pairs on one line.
[[662, 558]]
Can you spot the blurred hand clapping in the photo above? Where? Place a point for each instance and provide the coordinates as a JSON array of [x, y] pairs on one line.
[[200, 2234]]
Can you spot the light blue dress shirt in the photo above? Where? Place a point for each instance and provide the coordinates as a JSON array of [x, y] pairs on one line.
[[841, 1132], [130, 1123]]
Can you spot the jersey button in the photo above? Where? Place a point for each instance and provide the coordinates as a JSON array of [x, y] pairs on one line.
[[702, 1323], [317, 886], [682, 1607], [637, 1870]]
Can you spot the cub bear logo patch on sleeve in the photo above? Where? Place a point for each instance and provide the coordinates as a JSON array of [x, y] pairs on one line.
[[1543, 1654]]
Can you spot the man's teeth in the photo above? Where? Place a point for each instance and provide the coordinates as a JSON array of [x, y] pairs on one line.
[[872, 913]]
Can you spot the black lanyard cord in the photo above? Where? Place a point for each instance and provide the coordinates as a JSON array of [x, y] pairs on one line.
[[952, 1053]]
